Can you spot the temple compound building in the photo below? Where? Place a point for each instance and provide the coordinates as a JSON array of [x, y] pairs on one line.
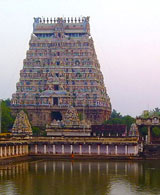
[[61, 70]]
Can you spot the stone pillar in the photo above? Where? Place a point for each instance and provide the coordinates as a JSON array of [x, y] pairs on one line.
[[5, 151], [36, 149], [80, 149], [98, 149], [135, 150], [13, 150], [89, 149], [17, 150], [62, 148], [106, 149], [71, 148], [54, 149], [26, 148], [20, 149], [126, 150], [149, 135], [9, 150], [23, 149], [115, 150], [45, 149], [1, 154]]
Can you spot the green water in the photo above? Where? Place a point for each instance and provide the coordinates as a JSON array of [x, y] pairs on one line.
[[80, 178]]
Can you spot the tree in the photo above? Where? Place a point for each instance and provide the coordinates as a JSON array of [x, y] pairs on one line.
[[143, 130], [113, 121], [115, 114], [128, 120], [7, 118], [117, 119], [156, 111]]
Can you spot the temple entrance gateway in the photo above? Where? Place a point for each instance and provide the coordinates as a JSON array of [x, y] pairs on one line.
[[64, 77], [56, 116]]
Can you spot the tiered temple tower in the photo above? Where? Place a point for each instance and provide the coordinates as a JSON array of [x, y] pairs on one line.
[[61, 69]]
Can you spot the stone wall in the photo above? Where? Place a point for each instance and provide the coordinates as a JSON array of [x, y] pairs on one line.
[[151, 151]]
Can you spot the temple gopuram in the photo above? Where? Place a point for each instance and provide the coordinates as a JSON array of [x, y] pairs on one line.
[[61, 70]]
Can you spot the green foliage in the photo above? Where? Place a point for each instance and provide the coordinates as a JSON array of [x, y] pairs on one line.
[[115, 114], [117, 118], [156, 131], [113, 121], [36, 131], [7, 118], [155, 112], [128, 120], [143, 131], [8, 102]]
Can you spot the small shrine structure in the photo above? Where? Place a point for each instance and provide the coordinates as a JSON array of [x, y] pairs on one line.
[[22, 125], [133, 131]]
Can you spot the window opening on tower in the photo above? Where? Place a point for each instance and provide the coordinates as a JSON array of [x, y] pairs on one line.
[[55, 101]]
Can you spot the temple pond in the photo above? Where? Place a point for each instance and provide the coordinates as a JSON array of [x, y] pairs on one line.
[[80, 178]]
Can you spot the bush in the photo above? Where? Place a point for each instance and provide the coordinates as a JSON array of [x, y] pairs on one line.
[[39, 131], [36, 131], [156, 131]]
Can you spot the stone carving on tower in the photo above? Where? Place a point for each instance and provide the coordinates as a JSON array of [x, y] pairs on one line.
[[61, 69], [71, 117]]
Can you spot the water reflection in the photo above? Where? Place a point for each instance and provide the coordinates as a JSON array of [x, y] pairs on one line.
[[80, 178]]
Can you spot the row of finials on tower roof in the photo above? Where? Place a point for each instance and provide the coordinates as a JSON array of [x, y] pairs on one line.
[[59, 20]]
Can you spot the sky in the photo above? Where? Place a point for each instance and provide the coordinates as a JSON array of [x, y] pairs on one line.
[[126, 34]]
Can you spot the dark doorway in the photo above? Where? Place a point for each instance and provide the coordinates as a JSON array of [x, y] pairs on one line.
[[55, 101], [56, 116]]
